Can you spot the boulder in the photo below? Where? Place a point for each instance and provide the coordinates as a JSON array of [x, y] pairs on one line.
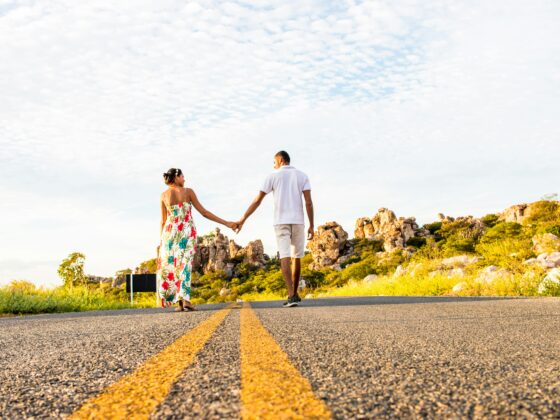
[[550, 282], [393, 232], [370, 278], [491, 273], [416, 268], [549, 260], [459, 287], [399, 271], [546, 242], [459, 261], [329, 243], [517, 213], [456, 272], [531, 261]]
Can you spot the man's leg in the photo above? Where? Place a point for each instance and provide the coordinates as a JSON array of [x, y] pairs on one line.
[[296, 273], [287, 273], [298, 250], [283, 238]]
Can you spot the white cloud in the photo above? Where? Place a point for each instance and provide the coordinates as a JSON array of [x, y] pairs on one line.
[[417, 106]]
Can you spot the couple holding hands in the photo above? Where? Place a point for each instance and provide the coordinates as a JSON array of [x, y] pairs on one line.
[[290, 187]]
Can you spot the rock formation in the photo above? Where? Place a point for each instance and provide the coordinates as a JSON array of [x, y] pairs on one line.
[[520, 212], [217, 252], [385, 227], [254, 253], [235, 250], [212, 252], [329, 244], [443, 218], [516, 213]]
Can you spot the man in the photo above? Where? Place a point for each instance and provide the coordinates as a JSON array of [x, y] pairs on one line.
[[288, 185]]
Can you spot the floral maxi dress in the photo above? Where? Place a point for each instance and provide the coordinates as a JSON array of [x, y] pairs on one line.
[[176, 252]]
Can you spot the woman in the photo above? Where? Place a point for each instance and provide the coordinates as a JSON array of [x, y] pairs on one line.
[[178, 240]]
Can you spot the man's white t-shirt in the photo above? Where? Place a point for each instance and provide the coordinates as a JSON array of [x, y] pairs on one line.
[[288, 184]]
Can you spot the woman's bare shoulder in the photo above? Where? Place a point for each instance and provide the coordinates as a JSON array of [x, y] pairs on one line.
[[189, 193]]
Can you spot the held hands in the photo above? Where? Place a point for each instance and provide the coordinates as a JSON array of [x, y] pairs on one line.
[[240, 225], [234, 226]]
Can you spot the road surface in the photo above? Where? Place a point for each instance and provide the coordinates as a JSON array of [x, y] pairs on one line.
[[340, 358]]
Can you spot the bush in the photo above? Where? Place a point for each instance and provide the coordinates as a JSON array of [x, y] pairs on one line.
[[433, 228], [416, 242], [79, 298], [490, 220], [544, 212], [504, 230], [460, 236], [507, 245]]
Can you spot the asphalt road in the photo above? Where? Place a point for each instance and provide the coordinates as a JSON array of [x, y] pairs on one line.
[[363, 357]]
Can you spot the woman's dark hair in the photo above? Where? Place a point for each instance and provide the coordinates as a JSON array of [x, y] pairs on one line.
[[171, 174]]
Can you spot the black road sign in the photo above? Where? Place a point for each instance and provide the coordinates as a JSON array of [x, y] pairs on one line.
[[141, 283]]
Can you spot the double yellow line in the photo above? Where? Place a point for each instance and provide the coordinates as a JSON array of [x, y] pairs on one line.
[[271, 387]]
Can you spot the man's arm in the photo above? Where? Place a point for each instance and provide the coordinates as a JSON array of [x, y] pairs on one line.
[[309, 209], [252, 207]]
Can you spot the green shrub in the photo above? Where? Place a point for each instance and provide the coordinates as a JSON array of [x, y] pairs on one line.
[[454, 246], [544, 212], [554, 229], [490, 220], [363, 246], [433, 228], [502, 231], [416, 242]]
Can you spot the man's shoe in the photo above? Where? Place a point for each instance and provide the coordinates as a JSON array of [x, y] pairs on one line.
[[297, 298], [290, 302]]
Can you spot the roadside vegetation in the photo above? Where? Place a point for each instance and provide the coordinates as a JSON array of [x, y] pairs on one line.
[[463, 257]]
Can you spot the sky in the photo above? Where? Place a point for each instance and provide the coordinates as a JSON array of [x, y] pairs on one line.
[[420, 107]]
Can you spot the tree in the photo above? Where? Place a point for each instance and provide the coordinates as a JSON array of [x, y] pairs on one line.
[[550, 197], [71, 269]]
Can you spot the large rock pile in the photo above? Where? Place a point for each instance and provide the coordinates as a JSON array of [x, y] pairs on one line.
[[212, 252], [385, 227], [329, 246], [217, 252]]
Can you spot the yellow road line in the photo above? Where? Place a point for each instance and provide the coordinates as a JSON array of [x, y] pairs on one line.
[[137, 394], [271, 387]]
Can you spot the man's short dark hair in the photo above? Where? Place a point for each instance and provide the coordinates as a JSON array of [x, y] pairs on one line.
[[284, 155]]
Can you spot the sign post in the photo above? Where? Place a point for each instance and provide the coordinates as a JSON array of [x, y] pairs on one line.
[[141, 283], [131, 289]]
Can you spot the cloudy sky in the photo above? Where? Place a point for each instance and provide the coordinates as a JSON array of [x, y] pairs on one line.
[[421, 107]]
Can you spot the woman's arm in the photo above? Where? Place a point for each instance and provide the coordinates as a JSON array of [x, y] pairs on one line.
[[206, 213], [163, 216]]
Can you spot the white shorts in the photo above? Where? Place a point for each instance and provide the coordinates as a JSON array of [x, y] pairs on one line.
[[291, 240]]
